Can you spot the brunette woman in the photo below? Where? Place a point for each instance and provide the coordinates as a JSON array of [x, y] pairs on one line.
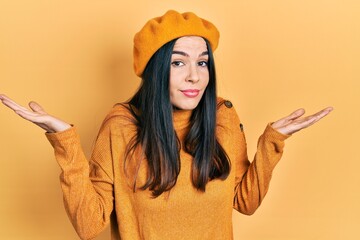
[[170, 163]]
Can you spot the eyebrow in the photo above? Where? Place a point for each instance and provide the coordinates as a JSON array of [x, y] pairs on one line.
[[187, 55]]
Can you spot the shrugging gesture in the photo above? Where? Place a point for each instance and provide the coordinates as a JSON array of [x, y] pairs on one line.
[[182, 153], [294, 122], [36, 115], [287, 125]]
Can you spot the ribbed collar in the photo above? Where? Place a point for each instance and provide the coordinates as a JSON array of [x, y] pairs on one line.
[[181, 119]]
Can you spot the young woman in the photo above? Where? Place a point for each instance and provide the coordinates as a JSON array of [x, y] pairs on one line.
[[170, 163]]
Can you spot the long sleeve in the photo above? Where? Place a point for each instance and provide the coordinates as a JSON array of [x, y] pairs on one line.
[[252, 183], [251, 179], [87, 186]]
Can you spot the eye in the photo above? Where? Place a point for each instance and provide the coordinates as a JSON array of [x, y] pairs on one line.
[[177, 63], [203, 63]]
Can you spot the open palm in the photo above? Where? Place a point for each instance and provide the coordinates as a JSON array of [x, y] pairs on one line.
[[36, 115], [295, 122]]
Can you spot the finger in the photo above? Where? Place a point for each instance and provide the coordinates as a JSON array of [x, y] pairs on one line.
[[30, 116], [319, 115], [13, 105], [310, 120], [326, 111], [36, 107], [3, 96], [296, 114], [286, 120]]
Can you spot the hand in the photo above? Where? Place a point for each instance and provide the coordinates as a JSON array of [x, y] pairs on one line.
[[37, 116], [293, 123]]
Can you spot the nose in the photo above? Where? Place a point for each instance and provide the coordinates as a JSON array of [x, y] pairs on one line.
[[193, 75]]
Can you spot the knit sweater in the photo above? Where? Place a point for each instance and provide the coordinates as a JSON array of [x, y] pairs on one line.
[[99, 191]]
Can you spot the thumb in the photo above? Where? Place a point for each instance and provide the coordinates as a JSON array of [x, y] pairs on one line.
[[296, 114], [36, 107]]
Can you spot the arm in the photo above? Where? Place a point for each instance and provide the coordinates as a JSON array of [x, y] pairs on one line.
[[252, 179], [87, 188]]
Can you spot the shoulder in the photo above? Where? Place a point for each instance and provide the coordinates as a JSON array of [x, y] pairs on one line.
[[226, 114], [119, 110], [225, 107], [223, 103], [120, 115]]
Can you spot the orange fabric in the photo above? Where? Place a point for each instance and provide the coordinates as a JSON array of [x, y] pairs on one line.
[[160, 30], [98, 191]]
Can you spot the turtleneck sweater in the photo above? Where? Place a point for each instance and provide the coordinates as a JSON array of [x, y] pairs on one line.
[[99, 191]]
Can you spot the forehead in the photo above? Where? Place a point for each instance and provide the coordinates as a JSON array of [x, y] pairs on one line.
[[190, 43]]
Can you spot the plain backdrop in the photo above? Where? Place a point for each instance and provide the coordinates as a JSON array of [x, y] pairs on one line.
[[75, 58]]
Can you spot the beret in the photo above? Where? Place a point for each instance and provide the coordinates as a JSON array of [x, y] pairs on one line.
[[160, 30]]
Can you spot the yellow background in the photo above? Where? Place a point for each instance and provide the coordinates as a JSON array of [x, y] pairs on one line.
[[75, 58]]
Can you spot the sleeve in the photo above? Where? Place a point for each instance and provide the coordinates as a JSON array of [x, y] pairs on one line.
[[87, 186], [251, 178]]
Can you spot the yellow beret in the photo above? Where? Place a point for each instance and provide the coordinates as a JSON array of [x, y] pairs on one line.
[[160, 30]]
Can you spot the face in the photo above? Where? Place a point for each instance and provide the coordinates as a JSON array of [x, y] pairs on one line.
[[189, 73]]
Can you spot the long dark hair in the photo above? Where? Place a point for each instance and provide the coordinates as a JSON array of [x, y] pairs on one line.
[[153, 114]]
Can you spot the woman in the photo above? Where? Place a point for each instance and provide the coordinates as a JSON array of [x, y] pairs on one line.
[[171, 163]]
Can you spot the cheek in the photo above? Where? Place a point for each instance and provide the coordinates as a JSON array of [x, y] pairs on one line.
[[205, 78], [176, 79], [173, 86]]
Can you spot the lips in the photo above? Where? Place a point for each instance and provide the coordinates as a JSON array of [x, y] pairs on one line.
[[191, 93]]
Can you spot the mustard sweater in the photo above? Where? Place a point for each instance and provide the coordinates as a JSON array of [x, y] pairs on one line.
[[98, 192]]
